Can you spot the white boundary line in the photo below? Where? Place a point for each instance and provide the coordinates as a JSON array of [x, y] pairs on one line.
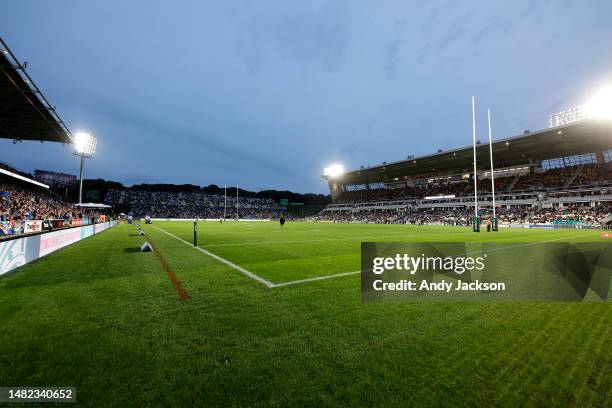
[[316, 278], [272, 285], [223, 260], [302, 241]]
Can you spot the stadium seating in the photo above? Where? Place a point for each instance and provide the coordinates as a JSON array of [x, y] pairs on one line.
[[556, 178], [558, 195], [20, 203], [588, 215], [192, 205]]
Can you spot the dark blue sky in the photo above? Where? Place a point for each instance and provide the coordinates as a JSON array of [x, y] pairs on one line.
[[266, 93]]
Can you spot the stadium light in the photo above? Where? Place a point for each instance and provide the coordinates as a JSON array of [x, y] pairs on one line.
[[333, 171], [85, 147], [84, 144], [600, 105]]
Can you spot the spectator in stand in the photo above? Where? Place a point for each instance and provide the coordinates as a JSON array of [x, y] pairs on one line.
[[461, 216], [194, 205], [23, 203]]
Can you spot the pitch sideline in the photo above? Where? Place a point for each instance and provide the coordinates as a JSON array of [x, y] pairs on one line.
[[316, 278], [222, 260], [273, 285], [252, 275]]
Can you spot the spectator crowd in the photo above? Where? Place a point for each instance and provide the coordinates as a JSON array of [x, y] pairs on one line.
[[19, 204], [193, 205], [592, 216], [556, 178]]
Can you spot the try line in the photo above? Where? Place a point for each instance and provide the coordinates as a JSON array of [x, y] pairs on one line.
[[272, 285], [250, 274], [222, 260]]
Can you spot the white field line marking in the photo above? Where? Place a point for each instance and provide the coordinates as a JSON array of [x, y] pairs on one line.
[[235, 232], [523, 244], [399, 234], [272, 285], [300, 241], [222, 260], [338, 275], [316, 278]]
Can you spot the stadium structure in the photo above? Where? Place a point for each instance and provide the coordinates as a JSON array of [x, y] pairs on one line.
[[25, 113], [28, 207], [105, 310], [553, 168]]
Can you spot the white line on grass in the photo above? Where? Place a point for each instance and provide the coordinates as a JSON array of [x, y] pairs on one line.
[[316, 278], [338, 275], [222, 260], [272, 285], [302, 241], [523, 244]]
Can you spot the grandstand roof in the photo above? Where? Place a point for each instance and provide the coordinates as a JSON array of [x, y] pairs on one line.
[[529, 148], [5, 172], [25, 113]]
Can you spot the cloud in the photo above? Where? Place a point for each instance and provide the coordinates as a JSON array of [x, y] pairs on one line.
[[175, 134], [391, 57], [268, 92], [349, 150], [317, 35]]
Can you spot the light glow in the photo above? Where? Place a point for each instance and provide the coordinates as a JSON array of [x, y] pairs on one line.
[[600, 105], [333, 171], [84, 144]]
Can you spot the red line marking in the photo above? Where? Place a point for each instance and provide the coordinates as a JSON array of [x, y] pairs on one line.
[[166, 266]]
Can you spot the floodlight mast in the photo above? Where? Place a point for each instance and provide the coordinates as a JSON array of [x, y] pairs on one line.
[[85, 147], [81, 180]]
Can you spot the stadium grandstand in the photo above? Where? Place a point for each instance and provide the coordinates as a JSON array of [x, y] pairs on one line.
[[378, 294], [558, 176], [25, 113], [28, 206], [192, 204]]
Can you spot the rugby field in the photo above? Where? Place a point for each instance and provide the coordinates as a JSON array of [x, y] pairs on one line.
[[257, 315]]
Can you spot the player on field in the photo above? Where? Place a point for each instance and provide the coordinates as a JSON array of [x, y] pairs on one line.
[[282, 220]]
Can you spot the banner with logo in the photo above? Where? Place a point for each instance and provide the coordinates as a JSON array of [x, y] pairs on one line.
[[57, 224], [18, 252], [32, 226], [76, 222]]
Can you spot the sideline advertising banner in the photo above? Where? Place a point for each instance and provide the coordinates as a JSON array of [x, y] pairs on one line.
[[76, 222], [18, 252]]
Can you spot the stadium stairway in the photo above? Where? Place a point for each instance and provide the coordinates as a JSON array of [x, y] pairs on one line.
[[607, 220], [513, 182], [400, 219], [573, 177]]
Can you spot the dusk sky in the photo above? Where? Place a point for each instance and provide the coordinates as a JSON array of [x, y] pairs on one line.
[[264, 94]]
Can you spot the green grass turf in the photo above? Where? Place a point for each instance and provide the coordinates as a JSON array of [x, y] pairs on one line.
[[105, 318]]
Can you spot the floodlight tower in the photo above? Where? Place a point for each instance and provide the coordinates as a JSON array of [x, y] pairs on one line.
[[333, 173], [85, 147]]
